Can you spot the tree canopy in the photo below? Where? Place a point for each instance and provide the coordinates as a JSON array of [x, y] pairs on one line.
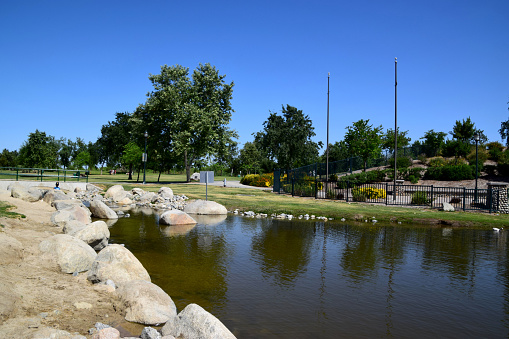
[[189, 115], [364, 140], [286, 138], [39, 151]]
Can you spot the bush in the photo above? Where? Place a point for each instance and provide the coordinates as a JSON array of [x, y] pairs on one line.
[[362, 178], [495, 150], [358, 196], [420, 198], [263, 180], [369, 193], [456, 148], [436, 162], [401, 162], [333, 177], [458, 172]]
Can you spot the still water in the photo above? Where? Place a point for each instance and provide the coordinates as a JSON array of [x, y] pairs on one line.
[[266, 278]]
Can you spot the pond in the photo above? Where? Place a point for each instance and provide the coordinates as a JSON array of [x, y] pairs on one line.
[[269, 278]]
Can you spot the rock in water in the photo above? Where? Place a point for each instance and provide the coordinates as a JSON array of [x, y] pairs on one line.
[[175, 218], [100, 210], [205, 207], [195, 322]]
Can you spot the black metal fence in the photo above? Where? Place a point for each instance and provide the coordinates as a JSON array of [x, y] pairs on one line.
[[349, 165], [384, 193]]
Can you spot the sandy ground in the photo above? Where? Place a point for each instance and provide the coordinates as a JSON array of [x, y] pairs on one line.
[[43, 296]]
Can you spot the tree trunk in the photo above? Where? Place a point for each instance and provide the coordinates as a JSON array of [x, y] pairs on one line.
[[138, 179], [130, 172], [188, 167], [159, 176]]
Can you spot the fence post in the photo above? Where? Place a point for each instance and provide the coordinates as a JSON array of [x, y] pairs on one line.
[[42, 172], [65, 174], [293, 186], [431, 196], [17, 172], [464, 198], [386, 190], [316, 188], [347, 187]]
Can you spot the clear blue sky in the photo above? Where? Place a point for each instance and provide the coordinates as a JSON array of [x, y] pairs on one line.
[[66, 67]]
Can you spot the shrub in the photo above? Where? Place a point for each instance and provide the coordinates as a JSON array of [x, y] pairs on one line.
[[401, 162], [420, 198], [436, 162], [263, 180], [458, 172], [490, 169], [369, 193], [333, 177], [358, 196], [363, 178], [422, 158], [494, 150]]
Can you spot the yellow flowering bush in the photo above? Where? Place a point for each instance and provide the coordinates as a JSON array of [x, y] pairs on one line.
[[369, 193], [263, 180]]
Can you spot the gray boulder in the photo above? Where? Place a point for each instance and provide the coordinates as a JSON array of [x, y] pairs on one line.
[[72, 227], [175, 218], [31, 194], [53, 195], [100, 210], [113, 190], [66, 204], [95, 235], [148, 197], [71, 254], [195, 322], [92, 188], [150, 333], [166, 193], [146, 303], [205, 207], [117, 263], [81, 214], [122, 197]]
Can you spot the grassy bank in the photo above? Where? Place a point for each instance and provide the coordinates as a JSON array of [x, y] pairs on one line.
[[267, 202], [6, 213]]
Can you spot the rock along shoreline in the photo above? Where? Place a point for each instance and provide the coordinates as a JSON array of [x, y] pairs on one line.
[[78, 257]]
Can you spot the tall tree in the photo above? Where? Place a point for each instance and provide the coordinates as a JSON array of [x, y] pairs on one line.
[[465, 130], [250, 157], [190, 116], [287, 138], [8, 158], [364, 140], [39, 151], [433, 142], [388, 139], [132, 156], [337, 151]]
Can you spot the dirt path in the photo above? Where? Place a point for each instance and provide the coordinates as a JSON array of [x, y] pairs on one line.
[[35, 294]]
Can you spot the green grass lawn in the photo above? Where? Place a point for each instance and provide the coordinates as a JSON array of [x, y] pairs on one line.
[[150, 177], [246, 199]]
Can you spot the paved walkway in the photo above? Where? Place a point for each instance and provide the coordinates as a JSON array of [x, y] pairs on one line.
[[232, 184]]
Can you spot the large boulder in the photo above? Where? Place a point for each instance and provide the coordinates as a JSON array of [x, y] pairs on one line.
[[53, 195], [166, 193], [205, 207], [176, 217], [72, 227], [137, 191], [31, 194], [92, 188], [122, 197], [113, 190], [146, 303], [117, 263], [195, 322], [100, 210], [66, 204], [71, 254], [148, 197], [81, 214], [95, 234], [11, 250]]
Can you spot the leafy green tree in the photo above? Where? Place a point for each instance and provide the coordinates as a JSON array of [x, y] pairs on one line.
[[8, 158], [66, 152], [250, 158], [337, 151], [465, 130], [82, 160], [286, 138], [364, 140], [433, 142], [388, 139], [115, 135], [132, 156], [190, 116], [39, 151]]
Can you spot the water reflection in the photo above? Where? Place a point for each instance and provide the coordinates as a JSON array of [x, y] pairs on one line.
[[291, 279], [171, 231]]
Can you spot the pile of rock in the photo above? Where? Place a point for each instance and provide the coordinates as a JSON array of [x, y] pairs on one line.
[[83, 247]]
